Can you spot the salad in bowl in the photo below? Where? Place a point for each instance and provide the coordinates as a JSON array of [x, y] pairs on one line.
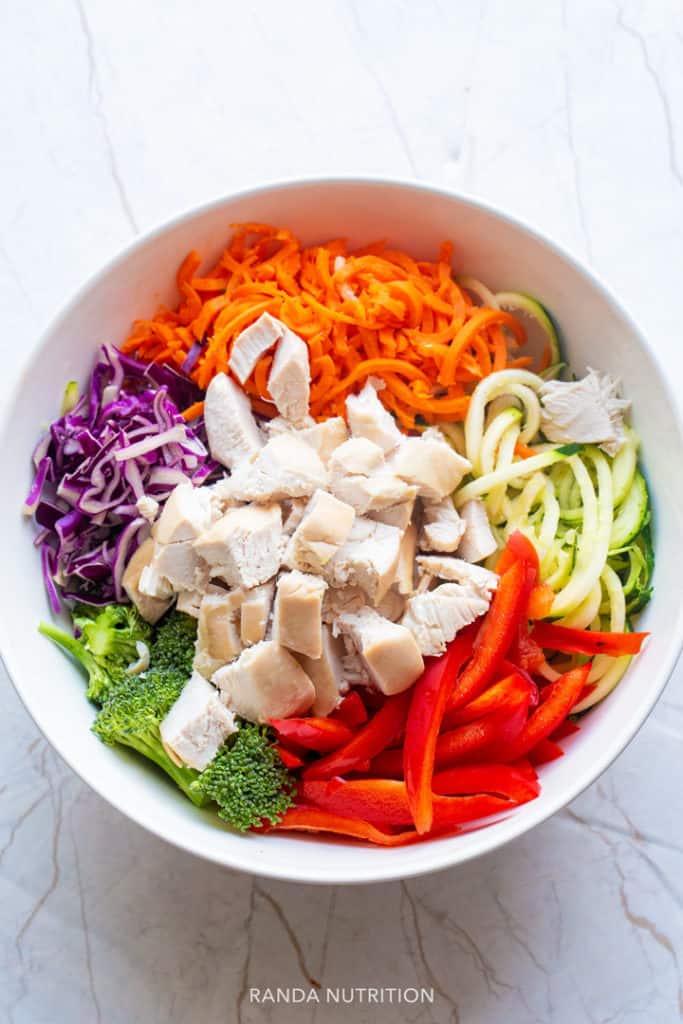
[[347, 547]]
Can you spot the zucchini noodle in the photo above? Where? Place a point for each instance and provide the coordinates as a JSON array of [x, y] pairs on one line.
[[586, 513]]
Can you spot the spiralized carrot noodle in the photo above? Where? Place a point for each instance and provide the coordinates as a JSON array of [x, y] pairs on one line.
[[373, 311]]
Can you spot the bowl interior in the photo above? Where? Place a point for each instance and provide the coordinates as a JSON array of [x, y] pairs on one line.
[[505, 255]]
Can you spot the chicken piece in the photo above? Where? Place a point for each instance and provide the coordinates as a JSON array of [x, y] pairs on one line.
[[354, 668], [398, 515], [345, 599], [356, 457], [477, 541], [360, 478], [265, 682], [324, 527], [286, 467], [297, 616], [197, 725], [325, 437], [179, 565], [289, 379], [186, 514], [436, 616], [442, 527], [189, 601], [430, 464], [585, 411], [405, 573], [369, 418], [252, 343], [244, 548], [293, 512], [255, 612], [327, 674], [393, 604], [368, 559], [457, 570], [218, 637], [388, 650], [230, 425], [150, 608]]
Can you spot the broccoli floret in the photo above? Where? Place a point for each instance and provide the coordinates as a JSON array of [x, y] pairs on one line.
[[134, 709], [107, 644], [247, 779]]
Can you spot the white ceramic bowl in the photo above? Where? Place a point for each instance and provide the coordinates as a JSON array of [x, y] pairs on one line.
[[490, 245]]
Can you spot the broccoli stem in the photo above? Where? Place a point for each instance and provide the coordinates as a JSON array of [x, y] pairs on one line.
[[68, 643]]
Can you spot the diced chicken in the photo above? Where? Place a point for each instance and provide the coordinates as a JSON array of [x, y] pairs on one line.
[[457, 570], [153, 584], [388, 650], [244, 548], [327, 674], [297, 615], [356, 457], [197, 725], [436, 616], [179, 564], [286, 467], [405, 573], [151, 608], [325, 437], [230, 425], [442, 527], [189, 601], [186, 514], [255, 612], [218, 636], [477, 541], [354, 668], [265, 682], [430, 464], [252, 343], [289, 379], [368, 559], [324, 527], [338, 601], [585, 411], [398, 515], [293, 512], [369, 418], [393, 604]]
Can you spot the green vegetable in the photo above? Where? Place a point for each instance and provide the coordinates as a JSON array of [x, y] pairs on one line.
[[70, 397], [107, 644], [134, 709], [247, 780]]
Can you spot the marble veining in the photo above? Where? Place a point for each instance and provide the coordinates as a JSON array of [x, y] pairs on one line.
[[120, 114]]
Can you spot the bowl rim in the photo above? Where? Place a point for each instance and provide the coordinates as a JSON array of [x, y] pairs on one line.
[[444, 856]]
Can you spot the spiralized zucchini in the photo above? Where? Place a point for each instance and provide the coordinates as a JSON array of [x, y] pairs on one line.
[[586, 513]]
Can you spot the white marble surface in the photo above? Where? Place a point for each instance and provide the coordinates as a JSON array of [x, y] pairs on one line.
[[115, 115]]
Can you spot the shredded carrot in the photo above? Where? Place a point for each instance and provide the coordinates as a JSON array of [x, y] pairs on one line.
[[193, 411], [372, 311]]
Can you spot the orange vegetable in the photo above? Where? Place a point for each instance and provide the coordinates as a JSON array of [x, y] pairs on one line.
[[370, 311]]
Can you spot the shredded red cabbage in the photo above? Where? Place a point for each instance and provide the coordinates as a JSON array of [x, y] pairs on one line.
[[123, 439]]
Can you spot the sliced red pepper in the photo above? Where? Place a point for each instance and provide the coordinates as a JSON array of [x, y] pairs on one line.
[[319, 734], [544, 752], [525, 653], [507, 693], [474, 740], [384, 803], [501, 779], [567, 728], [586, 641], [541, 601], [427, 706], [386, 725], [562, 696], [518, 548], [289, 760], [497, 632], [313, 819], [351, 711], [387, 765]]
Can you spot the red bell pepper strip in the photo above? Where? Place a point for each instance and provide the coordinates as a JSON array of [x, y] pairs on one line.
[[501, 779], [544, 752], [427, 706], [385, 726], [540, 601], [351, 711], [562, 696], [508, 693], [320, 734], [497, 632], [567, 728], [586, 641], [387, 765], [313, 819], [474, 740], [384, 803], [289, 760], [518, 548]]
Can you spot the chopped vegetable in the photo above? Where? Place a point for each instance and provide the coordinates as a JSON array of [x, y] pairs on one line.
[[586, 641]]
